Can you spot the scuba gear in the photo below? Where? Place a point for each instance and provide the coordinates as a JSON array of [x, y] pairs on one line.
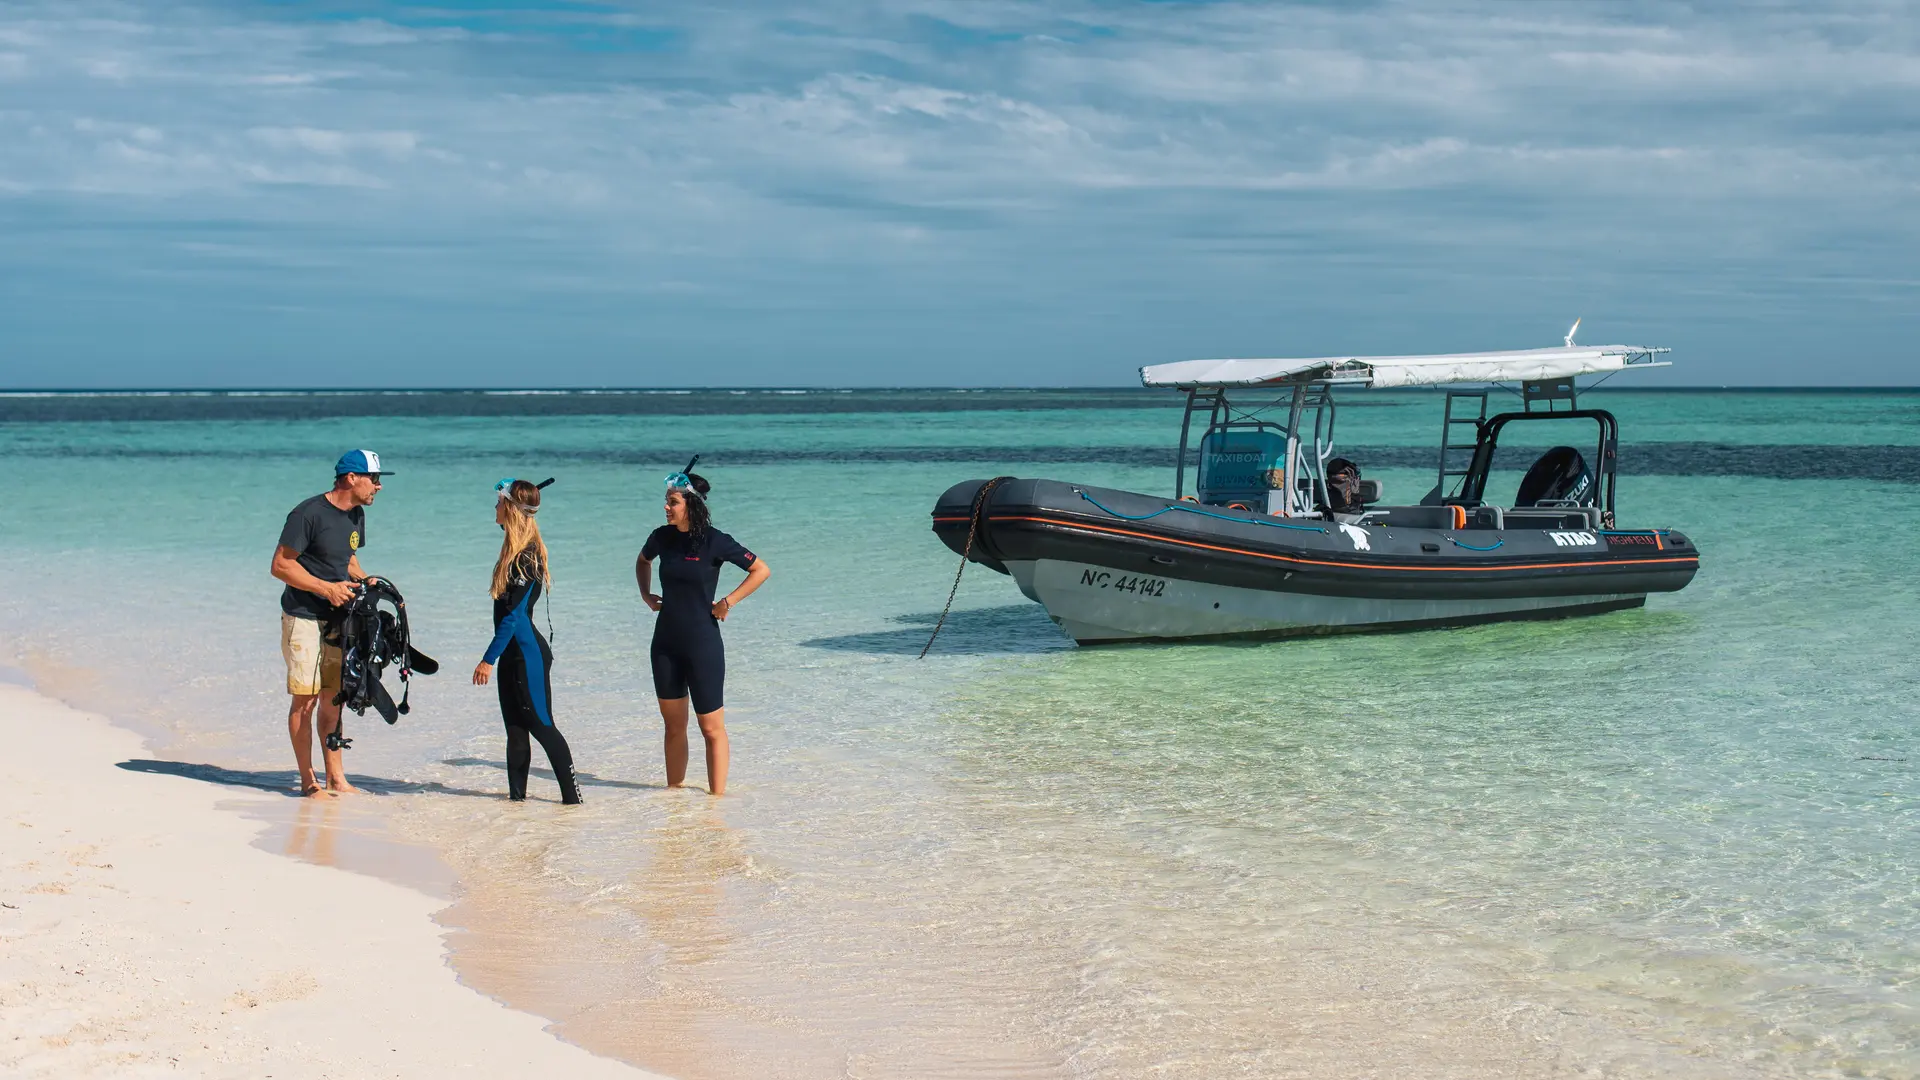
[[372, 640], [1343, 487]]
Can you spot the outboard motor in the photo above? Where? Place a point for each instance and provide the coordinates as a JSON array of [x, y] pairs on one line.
[[1558, 476]]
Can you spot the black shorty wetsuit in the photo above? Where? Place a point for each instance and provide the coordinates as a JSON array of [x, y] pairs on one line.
[[688, 657], [524, 677]]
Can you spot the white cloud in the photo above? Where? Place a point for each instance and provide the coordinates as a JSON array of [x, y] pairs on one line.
[[393, 144], [320, 175], [285, 78]]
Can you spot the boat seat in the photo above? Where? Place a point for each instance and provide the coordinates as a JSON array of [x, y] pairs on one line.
[[1411, 517], [1437, 517]]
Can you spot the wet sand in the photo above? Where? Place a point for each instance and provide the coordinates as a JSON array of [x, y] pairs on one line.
[[145, 931]]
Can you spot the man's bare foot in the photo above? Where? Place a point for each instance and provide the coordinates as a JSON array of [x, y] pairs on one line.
[[341, 787], [315, 791]]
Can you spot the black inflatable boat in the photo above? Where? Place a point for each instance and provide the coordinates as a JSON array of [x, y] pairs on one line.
[[1282, 537]]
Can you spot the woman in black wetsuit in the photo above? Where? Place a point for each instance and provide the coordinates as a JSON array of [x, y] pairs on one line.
[[689, 659], [526, 662]]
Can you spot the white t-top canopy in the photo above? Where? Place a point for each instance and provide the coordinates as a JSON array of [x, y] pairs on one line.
[[1521, 365]]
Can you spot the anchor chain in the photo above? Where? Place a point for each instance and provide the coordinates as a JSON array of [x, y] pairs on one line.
[[973, 529]]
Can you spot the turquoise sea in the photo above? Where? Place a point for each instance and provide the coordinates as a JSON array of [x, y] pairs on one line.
[[1674, 841]]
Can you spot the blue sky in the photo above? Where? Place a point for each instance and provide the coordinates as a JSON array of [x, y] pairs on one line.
[[934, 193]]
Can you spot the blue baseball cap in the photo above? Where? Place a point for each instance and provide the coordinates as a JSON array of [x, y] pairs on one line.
[[364, 462]]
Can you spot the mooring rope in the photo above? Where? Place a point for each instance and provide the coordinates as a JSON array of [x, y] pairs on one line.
[[973, 529]]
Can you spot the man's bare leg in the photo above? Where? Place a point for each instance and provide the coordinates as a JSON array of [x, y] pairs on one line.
[[673, 712], [300, 731], [336, 771]]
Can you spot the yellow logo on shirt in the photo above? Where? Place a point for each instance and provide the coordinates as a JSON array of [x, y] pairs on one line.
[[353, 540]]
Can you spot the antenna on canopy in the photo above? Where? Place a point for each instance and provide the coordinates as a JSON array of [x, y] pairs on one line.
[[1571, 330]]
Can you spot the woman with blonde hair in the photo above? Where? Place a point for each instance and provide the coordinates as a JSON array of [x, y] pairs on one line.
[[526, 661]]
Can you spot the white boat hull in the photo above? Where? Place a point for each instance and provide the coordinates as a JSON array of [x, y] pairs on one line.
[[1097, 604]]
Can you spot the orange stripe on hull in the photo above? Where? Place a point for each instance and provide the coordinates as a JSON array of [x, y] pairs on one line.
[[1695, 559]]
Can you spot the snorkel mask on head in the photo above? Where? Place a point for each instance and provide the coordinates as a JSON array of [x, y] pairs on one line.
[[682, 481], [504, 490]]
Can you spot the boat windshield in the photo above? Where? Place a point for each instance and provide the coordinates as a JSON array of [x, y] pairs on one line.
[[1267, 454]]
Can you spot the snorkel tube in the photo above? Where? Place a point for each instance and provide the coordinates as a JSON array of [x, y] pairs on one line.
[[683, 480], [693, 495], [504, 490]]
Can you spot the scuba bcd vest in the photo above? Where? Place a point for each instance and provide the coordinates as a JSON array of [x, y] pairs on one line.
[[373, 639]]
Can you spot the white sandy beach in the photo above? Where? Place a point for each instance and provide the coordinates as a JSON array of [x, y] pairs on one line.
[[144, 933]]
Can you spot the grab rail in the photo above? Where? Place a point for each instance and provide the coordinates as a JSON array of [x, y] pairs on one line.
[[1196, 510]]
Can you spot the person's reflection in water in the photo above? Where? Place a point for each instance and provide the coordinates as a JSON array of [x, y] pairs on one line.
[[680, 892], [315, 828]]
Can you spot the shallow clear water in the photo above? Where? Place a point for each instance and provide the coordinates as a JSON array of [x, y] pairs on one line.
[[1674, 840]]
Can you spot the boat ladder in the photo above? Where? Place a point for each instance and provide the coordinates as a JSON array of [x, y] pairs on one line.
[[1452, 462]]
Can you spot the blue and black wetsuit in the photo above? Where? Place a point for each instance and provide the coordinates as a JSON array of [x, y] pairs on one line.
[[524, 676], [688, 656]]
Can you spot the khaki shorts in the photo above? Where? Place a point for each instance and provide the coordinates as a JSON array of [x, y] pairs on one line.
[[313, 667]]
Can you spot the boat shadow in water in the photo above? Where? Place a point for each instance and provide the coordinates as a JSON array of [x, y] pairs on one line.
[[1013, 628], [286, 781]]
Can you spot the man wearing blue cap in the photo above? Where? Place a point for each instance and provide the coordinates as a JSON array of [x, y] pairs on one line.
[[318, 558]]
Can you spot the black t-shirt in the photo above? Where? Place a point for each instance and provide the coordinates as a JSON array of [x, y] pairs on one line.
[[689, 574], [324, 538]]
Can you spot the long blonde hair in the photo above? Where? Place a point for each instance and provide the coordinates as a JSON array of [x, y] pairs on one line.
[[522, 500]]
